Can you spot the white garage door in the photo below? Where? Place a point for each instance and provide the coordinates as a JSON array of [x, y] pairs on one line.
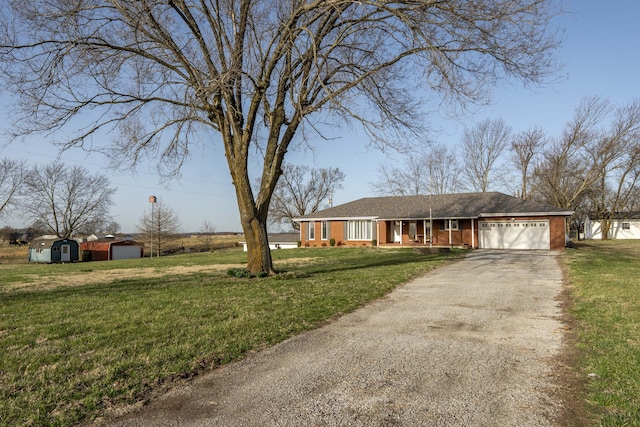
[[125, 252], [514, 234]]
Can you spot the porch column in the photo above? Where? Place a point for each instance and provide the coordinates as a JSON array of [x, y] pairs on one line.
[[450, 242], [424, 231]]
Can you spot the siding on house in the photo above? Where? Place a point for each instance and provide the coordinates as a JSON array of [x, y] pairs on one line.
[[620, 228]]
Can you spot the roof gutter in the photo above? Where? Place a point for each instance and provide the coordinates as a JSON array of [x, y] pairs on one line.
[[343, 218], [514, 214]]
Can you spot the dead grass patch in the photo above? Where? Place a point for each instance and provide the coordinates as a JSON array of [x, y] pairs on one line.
[[38, 282], [48, 282]]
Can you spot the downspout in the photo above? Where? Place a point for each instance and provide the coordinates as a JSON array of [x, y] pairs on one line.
[[473, 234]]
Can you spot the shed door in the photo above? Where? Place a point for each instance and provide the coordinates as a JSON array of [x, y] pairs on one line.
[[125, 252], [65, 255], [514, 234]]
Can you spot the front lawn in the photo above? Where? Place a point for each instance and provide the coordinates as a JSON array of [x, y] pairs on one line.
[[606, 289], [78, 340]]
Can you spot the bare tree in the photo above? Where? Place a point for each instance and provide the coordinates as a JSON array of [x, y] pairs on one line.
[[11, 180], [524, 149], [257, 71], [301, 191], [111, 228], [616, 158], [206, 234], [482, 146], [158, 225], [567, 173], [403, 178], [435, 171], [444, 170], [65, 200]]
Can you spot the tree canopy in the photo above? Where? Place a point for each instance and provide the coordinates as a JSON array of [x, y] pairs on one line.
[[63, 200], [255, 72], [301, 191]]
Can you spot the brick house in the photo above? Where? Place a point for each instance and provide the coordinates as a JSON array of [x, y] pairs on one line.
[[475, 220]]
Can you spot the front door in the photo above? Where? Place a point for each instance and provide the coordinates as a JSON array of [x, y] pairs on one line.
[[397, 232], [65, 256]]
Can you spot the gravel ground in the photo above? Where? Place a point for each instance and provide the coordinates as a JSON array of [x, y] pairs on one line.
[[469, 344]]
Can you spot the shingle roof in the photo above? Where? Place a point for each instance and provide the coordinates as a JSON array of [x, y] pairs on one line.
[[464, 205], [618, 216]]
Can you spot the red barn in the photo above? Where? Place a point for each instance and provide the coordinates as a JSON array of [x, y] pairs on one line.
[[108, 249]]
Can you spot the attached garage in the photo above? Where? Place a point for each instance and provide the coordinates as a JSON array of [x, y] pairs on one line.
[[472, 220], [514, 234]]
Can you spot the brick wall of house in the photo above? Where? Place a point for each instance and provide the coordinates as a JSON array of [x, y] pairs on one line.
[[557, 228], [336, 232], [461, 237], [385, 233]]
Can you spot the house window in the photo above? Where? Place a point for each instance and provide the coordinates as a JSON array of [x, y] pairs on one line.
[[626, 226], [359, 230], [451, 224], [311, 230], [324, 230]]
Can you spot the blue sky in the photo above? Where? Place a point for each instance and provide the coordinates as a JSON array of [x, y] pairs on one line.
[[600, 56]]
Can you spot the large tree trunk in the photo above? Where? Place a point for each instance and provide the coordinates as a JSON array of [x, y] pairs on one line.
[[258, 252], [605, 226], [253, 218]]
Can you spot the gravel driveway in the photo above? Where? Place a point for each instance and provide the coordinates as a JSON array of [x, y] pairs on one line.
[[469, 344]]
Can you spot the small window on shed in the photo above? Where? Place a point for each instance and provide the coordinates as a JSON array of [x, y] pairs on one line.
[[55, 249], [626, 226]]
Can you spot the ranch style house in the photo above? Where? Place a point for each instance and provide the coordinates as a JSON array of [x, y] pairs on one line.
[[488, 220]]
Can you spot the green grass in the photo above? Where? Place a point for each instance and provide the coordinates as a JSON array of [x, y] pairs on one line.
[[71, 352], [606, 280]]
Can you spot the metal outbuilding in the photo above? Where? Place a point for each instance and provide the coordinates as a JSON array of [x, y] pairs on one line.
[[53, 249], [110, 249]]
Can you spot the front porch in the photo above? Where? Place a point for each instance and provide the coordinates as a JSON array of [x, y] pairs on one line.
[[427, 233]]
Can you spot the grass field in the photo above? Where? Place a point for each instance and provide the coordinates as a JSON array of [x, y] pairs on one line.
[[83, 340], [605, 279]]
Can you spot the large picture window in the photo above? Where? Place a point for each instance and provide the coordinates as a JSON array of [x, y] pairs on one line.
[[359, 230]]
